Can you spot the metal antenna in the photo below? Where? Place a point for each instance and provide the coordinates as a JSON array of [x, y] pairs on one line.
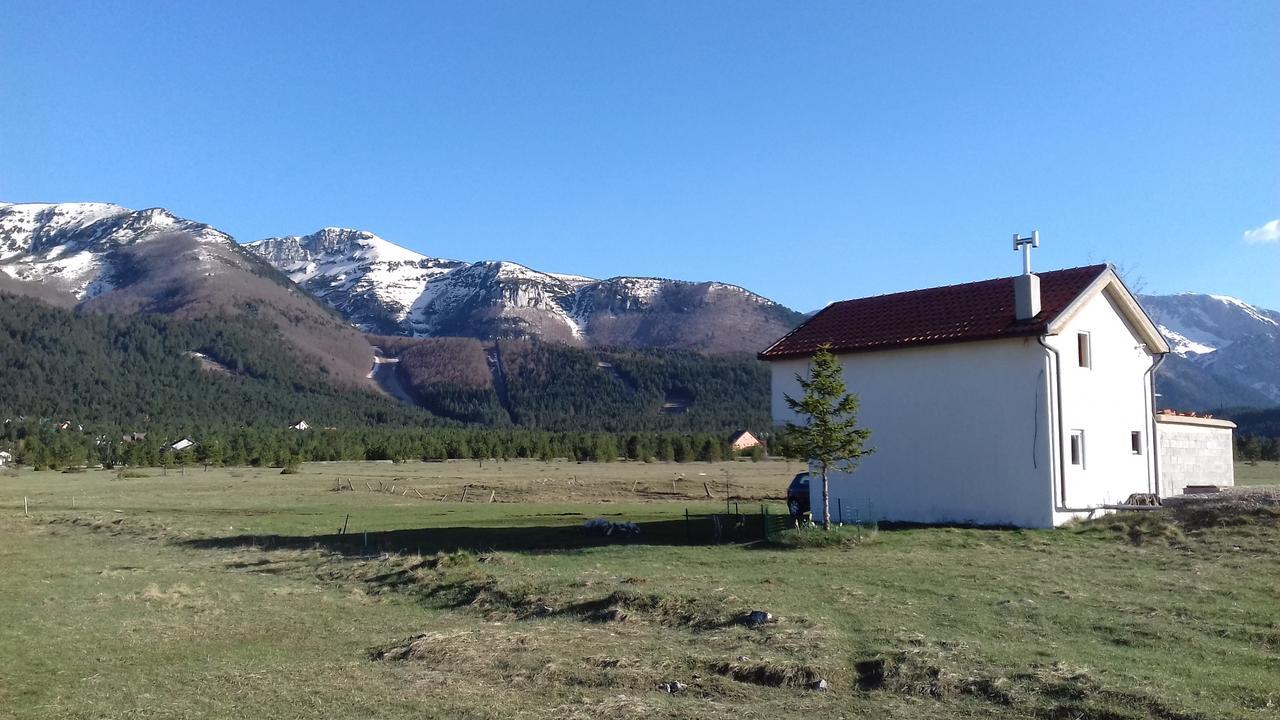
[[1025, 244]]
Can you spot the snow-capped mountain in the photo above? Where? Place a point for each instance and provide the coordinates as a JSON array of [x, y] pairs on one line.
[[1226, 352], [70, 246], [104, 257], [384, 288]]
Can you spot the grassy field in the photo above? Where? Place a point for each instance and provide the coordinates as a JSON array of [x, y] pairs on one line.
[[232, 593], [1258, 473]]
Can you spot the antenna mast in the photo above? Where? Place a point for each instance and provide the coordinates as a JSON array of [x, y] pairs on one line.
[[1025, 244]]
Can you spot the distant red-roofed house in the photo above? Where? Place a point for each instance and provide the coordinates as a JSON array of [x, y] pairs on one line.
[[988, 408]]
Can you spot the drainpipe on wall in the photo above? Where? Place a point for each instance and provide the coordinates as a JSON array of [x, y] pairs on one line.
[[1154, 445], [1055, 396]]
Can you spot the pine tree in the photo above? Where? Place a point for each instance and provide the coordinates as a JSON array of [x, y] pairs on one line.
[[830, 435]]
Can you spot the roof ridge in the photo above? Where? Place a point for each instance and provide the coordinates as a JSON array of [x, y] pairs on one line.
[[1099, 266]]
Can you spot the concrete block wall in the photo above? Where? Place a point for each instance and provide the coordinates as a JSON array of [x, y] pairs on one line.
[[1194, 453]]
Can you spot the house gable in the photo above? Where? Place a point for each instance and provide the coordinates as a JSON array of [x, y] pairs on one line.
[[1125, 305]]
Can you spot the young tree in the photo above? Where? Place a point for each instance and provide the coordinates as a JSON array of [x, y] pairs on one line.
[[829, 435]]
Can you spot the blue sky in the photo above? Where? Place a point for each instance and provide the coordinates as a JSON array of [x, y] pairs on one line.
[[807, 151]]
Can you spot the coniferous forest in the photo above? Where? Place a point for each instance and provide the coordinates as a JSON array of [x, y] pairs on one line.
[[121, 389]]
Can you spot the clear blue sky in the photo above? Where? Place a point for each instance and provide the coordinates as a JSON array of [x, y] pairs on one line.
[[806, 151]]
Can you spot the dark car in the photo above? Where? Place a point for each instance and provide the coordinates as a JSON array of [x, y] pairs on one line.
[[798, 495]]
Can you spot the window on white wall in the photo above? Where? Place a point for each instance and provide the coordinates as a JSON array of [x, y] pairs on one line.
[[1084, 350], [1135, 442], [1077, 448]]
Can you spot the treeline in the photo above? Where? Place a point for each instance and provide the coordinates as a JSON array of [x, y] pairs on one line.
[[138, 371], [43, 445], [1257, 432], [1252, 448], [1254, 422]]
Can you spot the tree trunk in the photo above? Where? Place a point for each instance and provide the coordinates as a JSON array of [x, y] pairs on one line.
[[826, 500]]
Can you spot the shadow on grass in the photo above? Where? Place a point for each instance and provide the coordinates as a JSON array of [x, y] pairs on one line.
[[698, 530]]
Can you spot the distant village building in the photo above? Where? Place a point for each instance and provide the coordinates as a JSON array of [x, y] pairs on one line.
[[134, 437], [5, 458], [1024, 401], [181, 445], [300, 425], [743, 440]]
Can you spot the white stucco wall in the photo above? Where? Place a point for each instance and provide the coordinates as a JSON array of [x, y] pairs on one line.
[[1194, 452], [1107, 401], [960, 431]]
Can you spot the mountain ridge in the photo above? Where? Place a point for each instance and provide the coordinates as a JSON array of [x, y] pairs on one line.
[[384, 288], [328, 291], [1224, 351]]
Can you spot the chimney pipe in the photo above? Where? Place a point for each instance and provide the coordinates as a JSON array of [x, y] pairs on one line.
[[1026, 287]]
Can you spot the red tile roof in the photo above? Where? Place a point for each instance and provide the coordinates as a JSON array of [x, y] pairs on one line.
[[955, 313]]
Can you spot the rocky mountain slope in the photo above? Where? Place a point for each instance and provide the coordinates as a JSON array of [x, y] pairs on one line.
[[387, 289], [1226, 352], [103, 257]]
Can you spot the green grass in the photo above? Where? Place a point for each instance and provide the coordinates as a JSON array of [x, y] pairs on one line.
[[1258, 473], [231, 594]]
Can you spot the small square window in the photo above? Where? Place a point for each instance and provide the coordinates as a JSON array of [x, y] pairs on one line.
[[1135, 442], [1084, 350], [1077, 448]]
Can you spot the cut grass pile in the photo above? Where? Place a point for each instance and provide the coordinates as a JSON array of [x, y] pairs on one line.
[[232, 594]]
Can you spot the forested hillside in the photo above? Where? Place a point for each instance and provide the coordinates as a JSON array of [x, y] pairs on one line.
[[549, 386], [139, 371], [449, 376], [559, 387]]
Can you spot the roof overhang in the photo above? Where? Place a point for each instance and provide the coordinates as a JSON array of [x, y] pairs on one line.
[[1109, 282]]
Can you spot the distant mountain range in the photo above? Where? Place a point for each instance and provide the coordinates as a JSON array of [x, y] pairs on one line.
[[1226, 352], [99, 257], [329, 291], [386, 289]]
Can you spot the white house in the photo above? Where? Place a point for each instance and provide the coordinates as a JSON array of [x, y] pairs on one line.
[[300, 425], [181, 445], [743, 440], [5, 458], [987, 408]]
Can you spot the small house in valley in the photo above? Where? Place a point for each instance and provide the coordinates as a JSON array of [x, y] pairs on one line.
[[5, 458], [1024, 401], [300, 425], [182, 444], [743, 440]]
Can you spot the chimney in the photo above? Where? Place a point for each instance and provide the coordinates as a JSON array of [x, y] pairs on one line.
[[1026, 287]]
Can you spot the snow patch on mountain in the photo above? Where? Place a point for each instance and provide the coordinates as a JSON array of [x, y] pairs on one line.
[[1246, 308], [1183, 345], [354, 268]]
